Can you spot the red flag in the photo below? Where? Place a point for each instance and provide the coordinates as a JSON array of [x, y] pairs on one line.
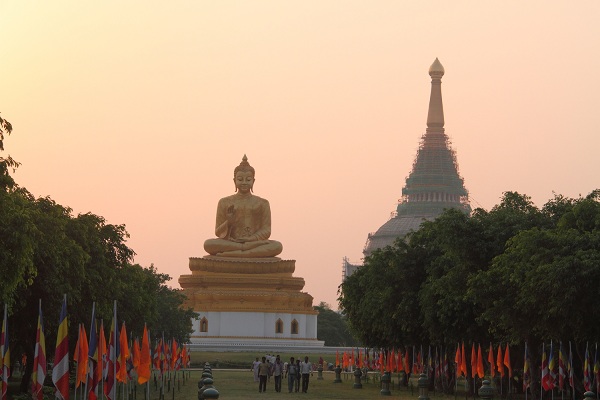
[[60, 372], [39, 360]]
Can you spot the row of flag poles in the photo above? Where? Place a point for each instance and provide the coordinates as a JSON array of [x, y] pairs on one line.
[[554, 374], [100, 365]]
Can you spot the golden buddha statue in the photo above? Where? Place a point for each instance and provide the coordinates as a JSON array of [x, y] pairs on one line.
[[243, 223]]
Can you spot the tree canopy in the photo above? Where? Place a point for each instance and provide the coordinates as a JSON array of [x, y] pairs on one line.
[[47, 252], [516, 273]]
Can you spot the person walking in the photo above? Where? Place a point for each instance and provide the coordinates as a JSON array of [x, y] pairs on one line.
[[292, 371], [305, 370], [263, 372], [277, 373], [297, 375], [255, 365]]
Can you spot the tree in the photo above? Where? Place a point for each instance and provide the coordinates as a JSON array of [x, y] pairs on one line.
[[332, 327], [6, 163]]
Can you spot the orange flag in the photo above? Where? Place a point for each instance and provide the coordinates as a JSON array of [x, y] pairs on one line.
[[458, 361], [491, 360], [360, 361], [473, 361], [499, 361], [81, 356], [144, 368], [480, 371], [399, 364], [174, 354], [136, 354], [507, 361], [381, 363], [123, 355]]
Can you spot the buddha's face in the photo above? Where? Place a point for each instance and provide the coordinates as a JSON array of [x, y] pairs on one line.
[[244, 180]]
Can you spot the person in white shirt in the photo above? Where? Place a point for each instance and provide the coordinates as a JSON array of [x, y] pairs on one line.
[[305, 370]]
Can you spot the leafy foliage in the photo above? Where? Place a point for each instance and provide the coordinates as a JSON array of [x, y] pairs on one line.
[[514, 273], [332, 327]]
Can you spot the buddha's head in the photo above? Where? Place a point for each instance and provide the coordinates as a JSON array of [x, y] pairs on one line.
[[243, 176]]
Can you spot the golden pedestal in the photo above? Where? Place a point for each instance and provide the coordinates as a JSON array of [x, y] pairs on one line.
[[245, 285]]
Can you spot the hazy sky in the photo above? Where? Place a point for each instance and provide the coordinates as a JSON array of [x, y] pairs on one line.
[[139, 111]]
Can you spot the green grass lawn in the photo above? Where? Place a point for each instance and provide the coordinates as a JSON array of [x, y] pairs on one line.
[[238, 385]]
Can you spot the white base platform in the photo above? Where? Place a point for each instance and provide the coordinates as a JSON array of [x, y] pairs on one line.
[[248, 329]]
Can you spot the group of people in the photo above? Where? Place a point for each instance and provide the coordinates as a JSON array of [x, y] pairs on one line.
[[297, 373]]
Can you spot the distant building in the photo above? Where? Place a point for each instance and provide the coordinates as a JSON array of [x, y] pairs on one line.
[[433, 185]]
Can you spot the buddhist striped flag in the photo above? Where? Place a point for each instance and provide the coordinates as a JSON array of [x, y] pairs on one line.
[[5, 356], [562, 370], [587, 375], [60, 371], [526, 369], [110, 384], [39, 359], [93, 364]]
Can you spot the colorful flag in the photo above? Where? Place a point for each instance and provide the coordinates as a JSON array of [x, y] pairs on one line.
[[570, 368], [526, 369], [144, 368], [597, 369], [562, 371], [39, 360], [551, 368], [92, 378], [587, 376], [507, 361], [480, 371], [102, 354], [60, 371], [111, 361], [5, 354], [490, 359]]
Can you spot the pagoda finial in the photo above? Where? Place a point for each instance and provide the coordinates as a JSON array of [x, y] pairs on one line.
[[435, 116], [436, 68]]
